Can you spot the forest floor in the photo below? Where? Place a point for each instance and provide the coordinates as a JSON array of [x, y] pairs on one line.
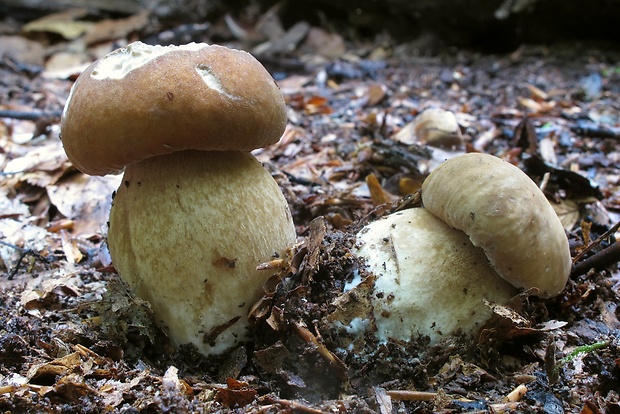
[[74, 339]]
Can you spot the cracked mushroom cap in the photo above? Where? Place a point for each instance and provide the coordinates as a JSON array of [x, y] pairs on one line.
[[505, 213], [142, 101]]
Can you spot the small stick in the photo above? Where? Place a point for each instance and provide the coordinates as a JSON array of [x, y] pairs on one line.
[[29, 115], [22, 254], [411, 395], [595, 131], [504, 407], [596, 242], [600, 260], [292, 405], [516, 394], [333, 361]]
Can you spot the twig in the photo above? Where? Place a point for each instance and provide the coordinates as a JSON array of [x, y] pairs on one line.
[[290, 406], [22, 254], [599, 260], [411, 395], [30, 115], [334, 362], [595, 131], [517, 393], [596, 242]]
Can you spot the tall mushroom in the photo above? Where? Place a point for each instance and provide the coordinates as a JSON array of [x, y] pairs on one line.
[[485, 230], [196, 213]]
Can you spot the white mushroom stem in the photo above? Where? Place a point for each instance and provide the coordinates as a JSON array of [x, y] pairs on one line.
[[187, 232], [430, 279]]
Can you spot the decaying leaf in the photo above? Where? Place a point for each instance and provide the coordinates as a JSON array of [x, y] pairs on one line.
[[44, 293], [352, 315], [86, 200], [111, 29], [507, 324], [63, 23], [235, 394]]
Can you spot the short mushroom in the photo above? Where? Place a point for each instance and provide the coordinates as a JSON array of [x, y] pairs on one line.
[[485, 231], [505, 214], [196, 212]]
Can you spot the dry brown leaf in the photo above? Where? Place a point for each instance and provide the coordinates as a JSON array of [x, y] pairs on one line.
[[72, 387], [328, 45], [59, 366], [377, 193], [375, 94], [112, 29], [62, 23], [236, 393], [537, 93], [435, 127], [384, 400], [508, 324], [317, 105], [113, 391], [535, 106], [43, 293], [50, 157], [406, 134], [70, 248], [568, 212], [86, 200], [22, 49]]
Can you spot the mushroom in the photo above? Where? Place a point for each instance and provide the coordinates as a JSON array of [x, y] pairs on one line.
[[505, 214], [485, 231], [196, 212]]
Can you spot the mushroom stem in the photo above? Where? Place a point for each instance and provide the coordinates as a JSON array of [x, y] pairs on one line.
[[430, 279], [187, 232]]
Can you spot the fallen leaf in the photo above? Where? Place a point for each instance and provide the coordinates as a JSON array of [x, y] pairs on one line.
[[57, 367], [435, 127], [328, 45], [236, 394], [111, 29], [50, 157], [22, 49], [62, 23], [374, 94], [86, 200]]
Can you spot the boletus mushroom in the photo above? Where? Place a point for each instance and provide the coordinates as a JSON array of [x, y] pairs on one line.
[[196, 212], [485, 231]]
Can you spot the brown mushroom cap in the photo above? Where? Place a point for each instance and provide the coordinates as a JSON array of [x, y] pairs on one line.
[[141, 101], [502, 211]]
